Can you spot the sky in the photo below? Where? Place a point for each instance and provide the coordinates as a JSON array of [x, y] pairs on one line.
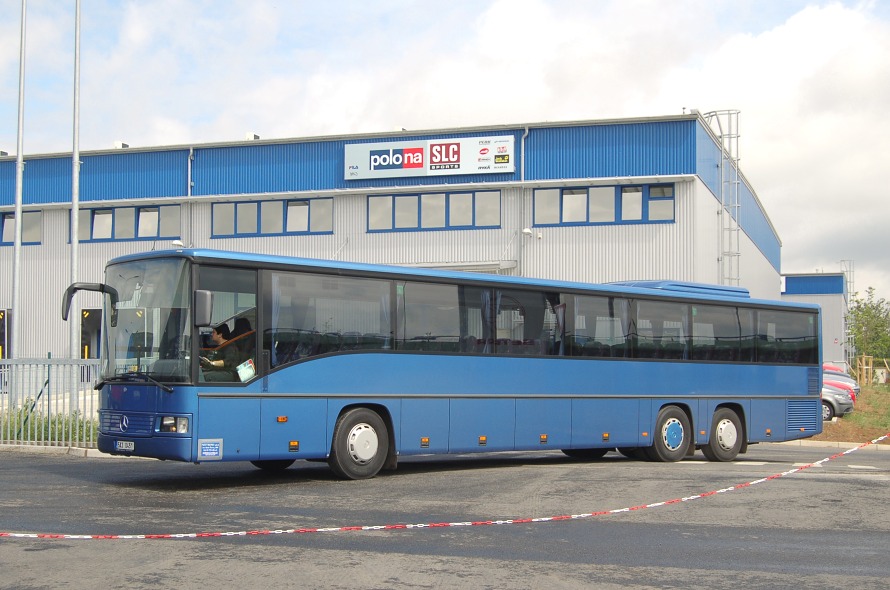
[[811, 80]]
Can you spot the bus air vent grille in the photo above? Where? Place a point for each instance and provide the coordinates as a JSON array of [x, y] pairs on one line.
[[803, 415], [813, 387]]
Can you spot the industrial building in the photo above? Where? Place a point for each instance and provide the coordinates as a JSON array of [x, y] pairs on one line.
[[591, 201]]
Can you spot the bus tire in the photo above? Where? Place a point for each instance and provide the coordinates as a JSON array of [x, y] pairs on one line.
[[588, 454], [360, 444], [273, 464], [726, 437], [672, 435]]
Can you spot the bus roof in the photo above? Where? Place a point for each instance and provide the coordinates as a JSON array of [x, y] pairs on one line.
[[659, 288], [683, 287]]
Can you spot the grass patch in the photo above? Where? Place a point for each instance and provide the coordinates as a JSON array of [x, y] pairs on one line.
[[869, 420], [22, 426]]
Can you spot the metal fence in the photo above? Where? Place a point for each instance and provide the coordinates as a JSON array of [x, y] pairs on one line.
[[49, 402]]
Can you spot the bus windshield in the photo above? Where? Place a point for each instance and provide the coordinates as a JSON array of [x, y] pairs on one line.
[[147, 331]]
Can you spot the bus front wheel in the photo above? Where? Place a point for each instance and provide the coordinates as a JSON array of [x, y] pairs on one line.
[[672, 435], [360, 444], [725, 441]]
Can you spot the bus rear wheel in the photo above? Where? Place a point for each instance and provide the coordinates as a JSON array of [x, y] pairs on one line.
[[586, 453], [273, 464], [725, 441], [672, 436], [360, 444]]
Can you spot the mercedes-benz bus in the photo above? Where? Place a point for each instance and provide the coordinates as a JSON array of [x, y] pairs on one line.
[[221, 356]]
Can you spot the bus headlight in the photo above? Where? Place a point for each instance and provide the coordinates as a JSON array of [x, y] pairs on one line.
[[174, 424]]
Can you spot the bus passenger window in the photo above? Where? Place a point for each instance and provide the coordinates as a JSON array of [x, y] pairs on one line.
[[525, 323], [786, 337], [662, 330], [308, 315], [598, 327], [428, 318]]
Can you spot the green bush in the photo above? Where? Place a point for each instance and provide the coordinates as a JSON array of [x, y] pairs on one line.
[[21, 425]]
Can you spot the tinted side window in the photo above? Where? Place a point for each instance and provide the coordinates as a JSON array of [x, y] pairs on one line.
[[597, 326], [786, 337], [662, 330], [308, 315]]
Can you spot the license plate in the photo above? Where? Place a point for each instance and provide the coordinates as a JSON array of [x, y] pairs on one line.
[[124, 445]]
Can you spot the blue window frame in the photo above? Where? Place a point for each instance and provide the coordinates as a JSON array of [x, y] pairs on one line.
[[128, 223], [434, 211], [600, 205], [280, 217], [32, 228]]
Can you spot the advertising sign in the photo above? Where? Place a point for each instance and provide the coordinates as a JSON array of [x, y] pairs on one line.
[[434, 157]]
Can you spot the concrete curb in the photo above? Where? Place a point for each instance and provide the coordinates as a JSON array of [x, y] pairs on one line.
[[48, 450]]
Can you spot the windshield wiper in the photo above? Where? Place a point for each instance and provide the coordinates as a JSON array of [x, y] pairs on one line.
[[131, 374]]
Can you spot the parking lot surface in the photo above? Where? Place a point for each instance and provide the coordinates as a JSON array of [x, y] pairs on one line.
[[523, 520]]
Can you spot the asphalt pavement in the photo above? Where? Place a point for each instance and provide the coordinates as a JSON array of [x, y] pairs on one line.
[[805, 515]]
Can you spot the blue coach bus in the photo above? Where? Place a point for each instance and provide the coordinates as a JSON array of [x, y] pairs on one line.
[[220, 356]]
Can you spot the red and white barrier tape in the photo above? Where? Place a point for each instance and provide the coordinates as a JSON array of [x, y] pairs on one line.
[[394, 527]]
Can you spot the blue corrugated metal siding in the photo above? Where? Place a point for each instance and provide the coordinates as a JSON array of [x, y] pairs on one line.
[[753, 220], [103, 177], [707, 158], [308, 166], [602, 151], [815, 285], [47, 180], [7, 183], [163, 173], [754, 223]]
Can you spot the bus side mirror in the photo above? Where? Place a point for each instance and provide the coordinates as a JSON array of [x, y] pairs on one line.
[[99, 288], [203, 308]]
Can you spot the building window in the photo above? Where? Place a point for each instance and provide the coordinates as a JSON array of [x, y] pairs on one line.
[[32, 231], [103, 221], [661, 203], [434, 211], [272, 217], [604, 205], [304, 216], [128, 223], [601, 204], [631, 203]]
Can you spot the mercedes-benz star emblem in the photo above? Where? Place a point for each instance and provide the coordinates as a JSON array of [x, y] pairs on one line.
[[125, 423]]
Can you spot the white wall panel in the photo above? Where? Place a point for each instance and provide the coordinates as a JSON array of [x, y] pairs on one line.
[[834, 310], [686, 250]]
